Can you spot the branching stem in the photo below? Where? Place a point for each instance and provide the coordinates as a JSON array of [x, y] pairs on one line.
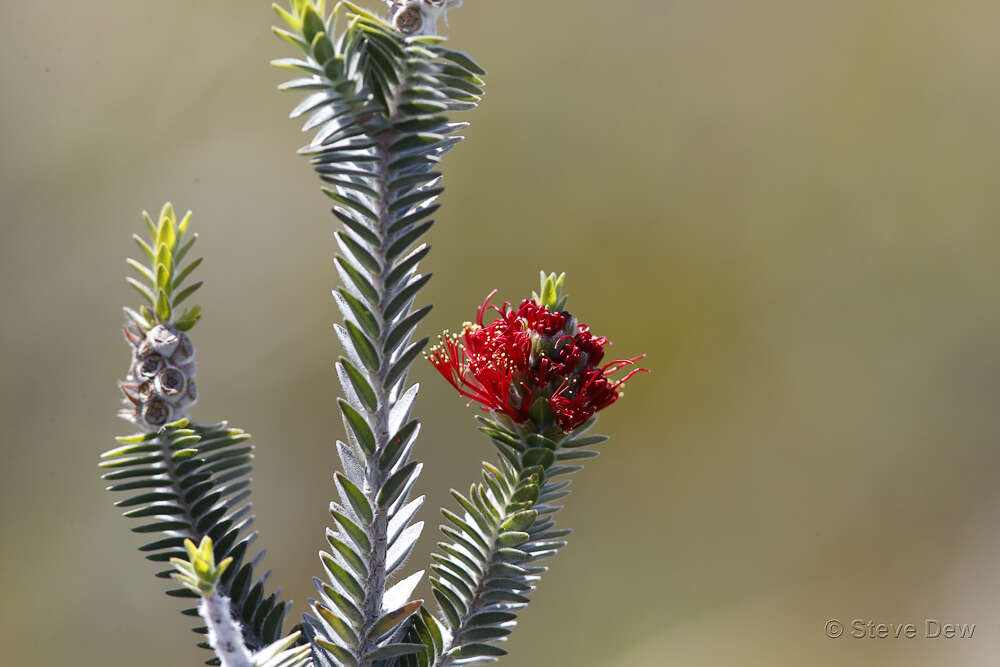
[[224, 634]]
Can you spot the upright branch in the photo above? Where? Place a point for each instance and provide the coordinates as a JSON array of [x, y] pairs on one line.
[[186, 481], [539, 372], [377, 100]]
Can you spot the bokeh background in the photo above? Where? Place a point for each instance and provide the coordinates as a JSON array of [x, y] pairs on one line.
[[790, 205]]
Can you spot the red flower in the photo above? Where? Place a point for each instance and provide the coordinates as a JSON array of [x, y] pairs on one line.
[[527, 354]]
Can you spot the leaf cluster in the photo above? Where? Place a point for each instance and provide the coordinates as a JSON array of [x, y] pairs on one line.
[[161, 282], [187, 482], [199, 572]]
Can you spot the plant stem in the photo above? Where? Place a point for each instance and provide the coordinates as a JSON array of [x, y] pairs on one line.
[[224, 634], [374, 475]]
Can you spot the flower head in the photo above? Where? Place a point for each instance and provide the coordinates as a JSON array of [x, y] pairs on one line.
[[529, 357]]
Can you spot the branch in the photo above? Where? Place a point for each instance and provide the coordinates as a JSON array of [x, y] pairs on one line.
[[201, 576], [186, 481], [376, 105], [505, 526]]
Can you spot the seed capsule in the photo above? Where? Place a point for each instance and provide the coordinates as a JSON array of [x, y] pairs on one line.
[[184, 353], [145, 391], [163, 340], [409, 20], [159, 386], [151, 365], [170, 383], [156, 413]]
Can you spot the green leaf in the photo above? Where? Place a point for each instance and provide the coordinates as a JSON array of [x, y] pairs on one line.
[[361, 387], [519, 521], [355, 226], [481, 519], [345, 657], [182, 253], [403, 363], [357, 499], [185, 272], [353, 530], [341, 576], [394, 448], [189, 318], [491, 618], [164, 257], [344, 604], [350, 556], [394, 650], [312, 24], [538, 456], [450, 612], [585, 441], [526, 494], [162, 274], [483, 634], [403, 329], [405, 265], [291, 20], [186, 292], [513, 539], [183, 225], [389, 621], [364, 258], [404, 296], [476, 651], [352, 204], [432, 628], [358, 280], [407, 239], [364, 347], [150, 225], [339, 626], [575, 455], [145, 247], [162, 306], [141, 289], [142, 269], [365, 317], [502, 436], [322, 48], [537, 440], [462, 60], [396, 484], [359, 426]]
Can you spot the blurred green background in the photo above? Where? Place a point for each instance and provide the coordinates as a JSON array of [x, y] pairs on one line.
[[790, 205]]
